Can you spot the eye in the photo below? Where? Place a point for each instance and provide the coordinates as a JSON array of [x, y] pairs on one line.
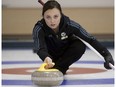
[[56, 16], [48, 17]]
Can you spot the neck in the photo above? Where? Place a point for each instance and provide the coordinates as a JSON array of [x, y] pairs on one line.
[[56, 29]]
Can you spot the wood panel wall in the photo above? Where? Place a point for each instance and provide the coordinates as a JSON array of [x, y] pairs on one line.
[[21, 21]]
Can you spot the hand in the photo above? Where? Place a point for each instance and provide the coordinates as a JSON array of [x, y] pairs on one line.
[[108, 59], [49, 62]]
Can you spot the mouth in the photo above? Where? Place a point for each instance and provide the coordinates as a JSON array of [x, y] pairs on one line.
[[52, 25]]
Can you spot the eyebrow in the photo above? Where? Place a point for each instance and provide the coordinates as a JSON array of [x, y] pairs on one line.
[[53, 15]]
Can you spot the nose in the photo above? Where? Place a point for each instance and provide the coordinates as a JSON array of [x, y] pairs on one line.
[[52, 20]]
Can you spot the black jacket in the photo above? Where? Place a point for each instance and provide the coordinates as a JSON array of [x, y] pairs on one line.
[[46, 40]]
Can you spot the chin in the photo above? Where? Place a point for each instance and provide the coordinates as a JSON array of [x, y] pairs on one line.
[[53, 28]]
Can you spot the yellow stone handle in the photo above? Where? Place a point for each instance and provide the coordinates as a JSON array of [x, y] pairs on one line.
[[42, 68]]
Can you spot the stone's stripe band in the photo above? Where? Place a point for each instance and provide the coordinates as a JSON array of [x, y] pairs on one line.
[[47, 78]]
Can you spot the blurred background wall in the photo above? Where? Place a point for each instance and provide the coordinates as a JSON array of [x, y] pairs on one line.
[[20, 16], [94, 20]]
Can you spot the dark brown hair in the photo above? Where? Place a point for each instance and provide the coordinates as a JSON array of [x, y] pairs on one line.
[[50, 4]]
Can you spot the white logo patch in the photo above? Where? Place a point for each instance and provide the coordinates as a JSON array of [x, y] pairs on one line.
[[63, 36]]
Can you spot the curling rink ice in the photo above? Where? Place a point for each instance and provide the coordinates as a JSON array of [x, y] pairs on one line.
[[18, 64]]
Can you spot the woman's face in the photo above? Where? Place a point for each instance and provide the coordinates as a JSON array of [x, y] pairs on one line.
[[52, 18]]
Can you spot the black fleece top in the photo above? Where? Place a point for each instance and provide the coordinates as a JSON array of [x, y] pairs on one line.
[[46, 41]]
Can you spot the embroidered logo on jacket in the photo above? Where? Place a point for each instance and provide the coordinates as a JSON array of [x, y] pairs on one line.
[[63, 36]]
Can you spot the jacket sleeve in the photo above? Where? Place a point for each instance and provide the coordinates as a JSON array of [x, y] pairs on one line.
[[39, 45], [81, 33]]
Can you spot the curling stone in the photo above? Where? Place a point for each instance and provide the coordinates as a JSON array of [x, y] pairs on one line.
[[47, 77]]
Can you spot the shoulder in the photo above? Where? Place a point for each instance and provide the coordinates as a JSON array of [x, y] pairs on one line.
[[39, 23], [71, 22], [38, 27], [74, 24]]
